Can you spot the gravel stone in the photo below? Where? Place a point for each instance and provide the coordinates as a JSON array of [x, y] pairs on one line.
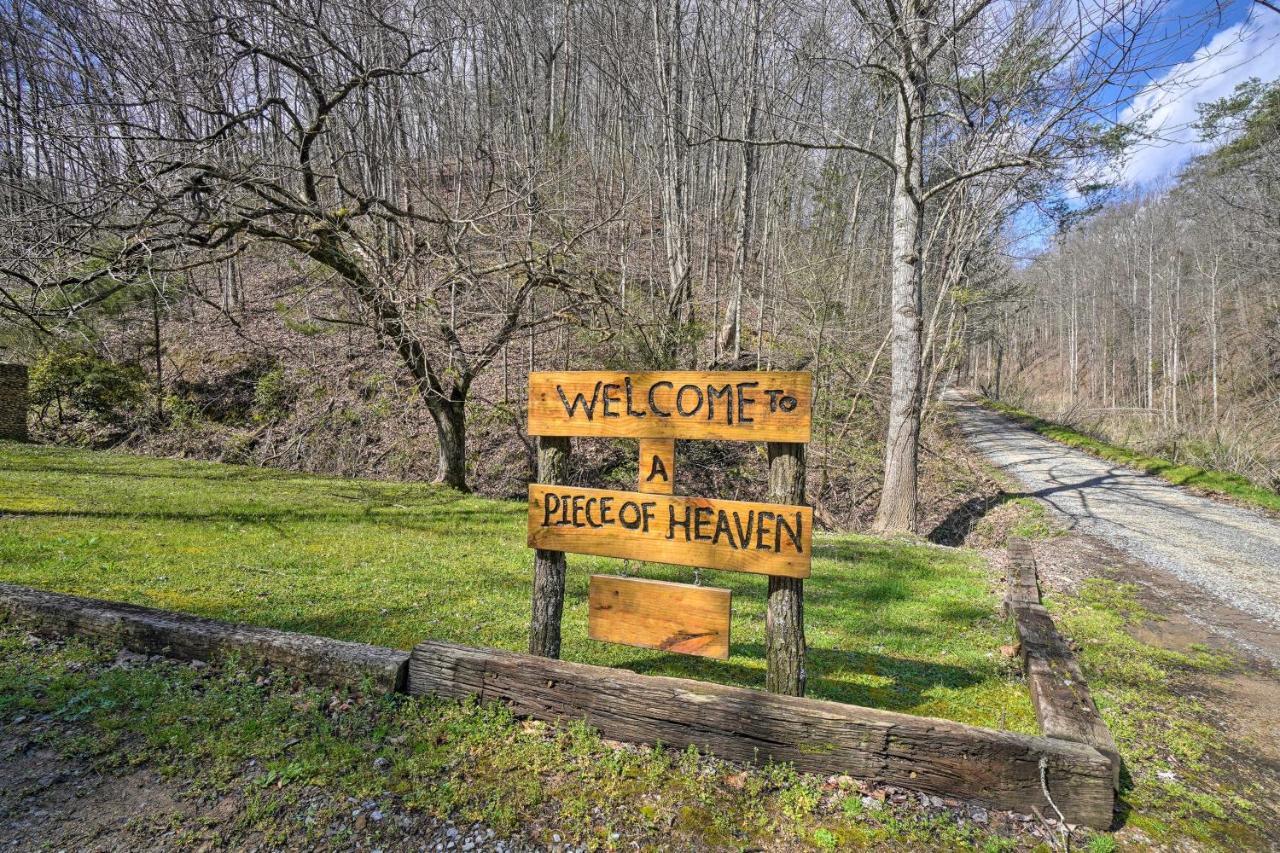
[[1229, 552]]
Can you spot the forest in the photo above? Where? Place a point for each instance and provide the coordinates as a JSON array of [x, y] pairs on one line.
[[336, 236], [1157, 322]]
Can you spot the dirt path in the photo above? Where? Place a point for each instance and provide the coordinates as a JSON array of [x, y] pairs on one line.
[[1229, 555]]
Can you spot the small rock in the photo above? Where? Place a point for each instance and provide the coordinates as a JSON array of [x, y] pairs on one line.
[[381, 763], [873, 804], [361, 821], [979, 816], [555, 837], [1166, 775], [375, 815]]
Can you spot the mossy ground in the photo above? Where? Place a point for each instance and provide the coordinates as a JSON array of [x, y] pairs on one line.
[[1180, 783]]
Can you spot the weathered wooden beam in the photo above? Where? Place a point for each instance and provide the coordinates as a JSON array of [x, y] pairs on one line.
[[178, 635], [1059, 693], [1000, 769], [1024, 586]]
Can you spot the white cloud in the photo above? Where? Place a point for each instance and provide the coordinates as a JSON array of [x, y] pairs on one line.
[[1248, 49]]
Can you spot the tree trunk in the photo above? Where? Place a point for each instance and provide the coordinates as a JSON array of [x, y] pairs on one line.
[[897, 512], [549, 566], [450, 416], [731, 331], [784, 618]]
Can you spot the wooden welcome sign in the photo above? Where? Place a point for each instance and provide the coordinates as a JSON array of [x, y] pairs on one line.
[[654, 524]]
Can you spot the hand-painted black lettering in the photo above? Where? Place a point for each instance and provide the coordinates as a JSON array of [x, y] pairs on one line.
[[653, 405], [578, 501], [788, 403], [794, 535], [657, 469], [579, 399], [701, 519], [634, 522], [761, 530], [606, 507], [631, 413], [611, 401], [744, 400], [680, 400], [774, 394], [744, 536], [590, 503], [647, 508], [550, 506], [713, 393], [674, 522], [723, 529]]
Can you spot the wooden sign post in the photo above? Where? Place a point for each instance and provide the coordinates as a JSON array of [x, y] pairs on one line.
[[656, 525]]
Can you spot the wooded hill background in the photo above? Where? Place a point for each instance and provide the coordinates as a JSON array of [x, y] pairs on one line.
[[336, 236]]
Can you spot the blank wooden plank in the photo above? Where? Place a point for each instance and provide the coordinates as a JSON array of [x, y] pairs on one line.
[[673, 617], [657, 466], [737, 536], [732, 405], [1000, 769]]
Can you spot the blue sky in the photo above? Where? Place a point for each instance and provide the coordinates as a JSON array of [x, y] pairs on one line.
[[1198, 64], [1245, 45]]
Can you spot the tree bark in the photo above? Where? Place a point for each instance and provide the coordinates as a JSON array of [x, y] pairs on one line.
[[450, 416], [897, 512], [784, 617], [549, 566], [731, 331]]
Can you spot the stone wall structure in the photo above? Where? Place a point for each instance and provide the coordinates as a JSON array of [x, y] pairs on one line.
[[13, 401]]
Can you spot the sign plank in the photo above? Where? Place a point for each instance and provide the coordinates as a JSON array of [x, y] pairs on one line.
[[658, 465], [730, 405], [737, 536], [674, 617]]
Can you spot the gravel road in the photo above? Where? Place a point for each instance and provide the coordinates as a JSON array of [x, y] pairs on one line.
[[1232, 554]]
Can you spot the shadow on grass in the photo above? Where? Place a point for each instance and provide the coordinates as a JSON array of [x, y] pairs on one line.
[[901, 684], [955, 528], [422, 518], [215, 472]]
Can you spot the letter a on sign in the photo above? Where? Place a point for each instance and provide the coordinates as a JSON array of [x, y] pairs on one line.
[[657, 465]]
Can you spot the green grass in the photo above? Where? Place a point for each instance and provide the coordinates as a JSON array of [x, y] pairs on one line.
[[294, 759], [1217, 482], [898, 626], [1180, 787], [891, 624]]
